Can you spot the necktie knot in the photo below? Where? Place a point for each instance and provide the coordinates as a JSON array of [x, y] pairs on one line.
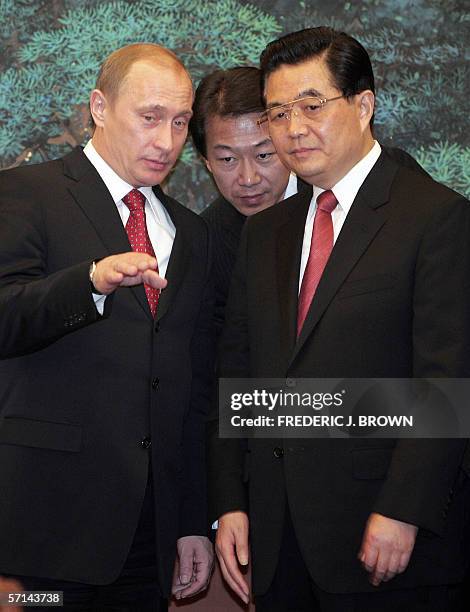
[[134, 200], [327, 201]]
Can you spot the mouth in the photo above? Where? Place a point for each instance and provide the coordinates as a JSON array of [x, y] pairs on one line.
[[302, 152], [252, 199], [155, 164]]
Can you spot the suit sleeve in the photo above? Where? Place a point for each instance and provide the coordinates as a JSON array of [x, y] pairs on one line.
[[37, 306], [193, 518], [226, 456], [421, 477]]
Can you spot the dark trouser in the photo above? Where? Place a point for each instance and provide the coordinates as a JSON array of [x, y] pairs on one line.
[[293, 590], [136, 588]]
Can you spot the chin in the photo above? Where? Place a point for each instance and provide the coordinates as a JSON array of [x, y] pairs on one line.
[[248, 212], [151, 180], [311, 175]]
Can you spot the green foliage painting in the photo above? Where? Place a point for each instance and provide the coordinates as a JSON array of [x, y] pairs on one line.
[[51, 51]]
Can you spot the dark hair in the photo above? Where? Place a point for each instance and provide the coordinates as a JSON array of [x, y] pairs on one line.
[[225, 93], [347, 60]]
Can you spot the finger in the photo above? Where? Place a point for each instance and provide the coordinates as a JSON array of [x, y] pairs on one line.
[[125, 268], [147, 262], [377, 576], [393, 564], [186, 567], [241, 547], [381, 567], [388, 576], [231, 582], [392, 567], [230, 557], [231, 563], [403, 563], [369, 557], [233, 569], [199, 583], [176, 585], [153, 279], [113, 278]]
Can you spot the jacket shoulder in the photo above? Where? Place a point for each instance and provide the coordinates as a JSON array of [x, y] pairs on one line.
[[421, 188], [33, 172]]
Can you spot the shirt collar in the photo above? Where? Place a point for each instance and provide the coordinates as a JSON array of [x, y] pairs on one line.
[[117, 187], [346, 189], [292, 187]]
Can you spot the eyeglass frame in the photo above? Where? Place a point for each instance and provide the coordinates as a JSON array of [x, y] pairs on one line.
[[264, 115]]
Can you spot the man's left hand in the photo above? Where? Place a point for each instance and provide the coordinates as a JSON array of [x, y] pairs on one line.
[[386, 547], [194, 567]]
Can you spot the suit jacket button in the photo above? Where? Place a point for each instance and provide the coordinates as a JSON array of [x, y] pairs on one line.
[[156, 327], [155, 383], [278, 452], [146, 443]]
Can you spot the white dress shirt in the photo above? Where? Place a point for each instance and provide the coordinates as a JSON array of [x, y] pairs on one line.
[[292, 187], [345, 191], [160, 227]]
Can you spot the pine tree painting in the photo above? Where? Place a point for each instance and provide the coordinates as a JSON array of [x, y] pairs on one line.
[[51, 51]]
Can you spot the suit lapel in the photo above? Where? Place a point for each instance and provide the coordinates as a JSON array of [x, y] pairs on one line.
[[364, 220], [289, 249], [93, 197], [179, 257]]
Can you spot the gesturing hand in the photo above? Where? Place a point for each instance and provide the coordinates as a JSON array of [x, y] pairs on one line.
[[231, 545], [126, 270], [194, 567], [386, 547]]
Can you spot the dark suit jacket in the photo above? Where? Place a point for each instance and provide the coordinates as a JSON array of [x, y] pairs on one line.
[[226, 225], [79, 392], [394, 301]]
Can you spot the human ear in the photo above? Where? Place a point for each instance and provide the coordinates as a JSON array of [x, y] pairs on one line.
[[208, 166], [97, 107], [366, 100]]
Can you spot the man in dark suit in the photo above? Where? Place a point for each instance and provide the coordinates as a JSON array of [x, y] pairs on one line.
[[244, 164], [367, 276], [241, 157], [105, 382]]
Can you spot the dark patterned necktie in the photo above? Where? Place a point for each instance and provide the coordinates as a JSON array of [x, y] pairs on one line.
[[136, 228], [320, 249]]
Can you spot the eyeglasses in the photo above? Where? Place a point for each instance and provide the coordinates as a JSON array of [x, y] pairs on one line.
[[310, 107]]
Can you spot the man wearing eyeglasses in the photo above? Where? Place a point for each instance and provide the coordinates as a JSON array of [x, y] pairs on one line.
[[236, 147], [366, 276]]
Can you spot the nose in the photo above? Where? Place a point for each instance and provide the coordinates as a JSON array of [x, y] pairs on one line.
[[297, 125], [248, 174], [164, 139]]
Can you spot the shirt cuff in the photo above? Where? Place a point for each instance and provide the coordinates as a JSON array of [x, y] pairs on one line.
[[99, 302]]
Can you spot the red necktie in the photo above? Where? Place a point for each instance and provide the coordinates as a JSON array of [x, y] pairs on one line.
[[320, 249], [137, 233]]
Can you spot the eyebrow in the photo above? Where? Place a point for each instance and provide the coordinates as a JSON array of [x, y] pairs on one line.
[[151, 107], [222, 146], [159, 107], [303, 94], [266, 141]]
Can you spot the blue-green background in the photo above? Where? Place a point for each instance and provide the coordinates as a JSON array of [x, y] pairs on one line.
[[50, 51]]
